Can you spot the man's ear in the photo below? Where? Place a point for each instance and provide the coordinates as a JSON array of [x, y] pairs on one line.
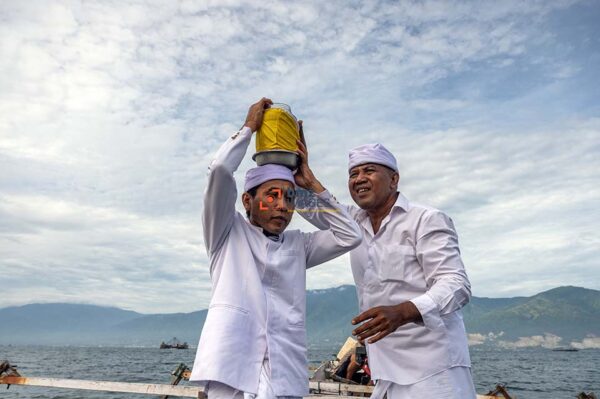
[[246, 200], [395, 179]]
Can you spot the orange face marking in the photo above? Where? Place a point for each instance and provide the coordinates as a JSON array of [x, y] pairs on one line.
[[270, 199]]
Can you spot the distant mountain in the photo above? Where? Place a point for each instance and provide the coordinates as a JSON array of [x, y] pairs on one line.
[[569, 312], [149, 329], [328, 315], [60, 323]]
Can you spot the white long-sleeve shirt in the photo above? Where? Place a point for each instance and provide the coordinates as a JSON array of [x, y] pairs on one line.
[[259, 285], [413, 257]]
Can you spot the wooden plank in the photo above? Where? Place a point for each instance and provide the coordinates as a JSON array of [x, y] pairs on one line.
[[330, 388], [128, 387], [357, 397], [335, 387], [327, 389]]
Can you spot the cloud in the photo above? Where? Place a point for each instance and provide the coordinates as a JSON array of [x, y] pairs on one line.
[[110, 114], [589, 342], [480, 339], [549, 341]]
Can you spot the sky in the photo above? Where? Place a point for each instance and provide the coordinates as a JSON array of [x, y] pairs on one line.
[[111, 111]]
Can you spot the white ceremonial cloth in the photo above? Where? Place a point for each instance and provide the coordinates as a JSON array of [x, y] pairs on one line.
[[371, 153], [413, 257], [258, 302], [257, 176]]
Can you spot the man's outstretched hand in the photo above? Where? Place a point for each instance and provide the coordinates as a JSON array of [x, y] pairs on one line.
[[383, 320], [256, 112]]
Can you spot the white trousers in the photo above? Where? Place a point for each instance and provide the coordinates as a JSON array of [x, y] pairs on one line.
[[217, 390], [454, 383]]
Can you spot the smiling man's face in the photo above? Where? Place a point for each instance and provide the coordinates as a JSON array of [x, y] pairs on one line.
[[272, 207], [371, 185]]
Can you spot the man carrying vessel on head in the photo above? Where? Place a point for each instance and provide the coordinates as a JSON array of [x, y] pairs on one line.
[[253, 343]]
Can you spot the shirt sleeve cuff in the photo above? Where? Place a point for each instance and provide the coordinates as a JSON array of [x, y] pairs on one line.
[[325, 195], [429, 312], [245, 131]]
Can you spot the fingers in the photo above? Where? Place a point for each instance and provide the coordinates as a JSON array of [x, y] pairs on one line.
[[302, 148], [380, 335], [261, 105], [301, 124], [366, 315], [362, 329], [301, 145], [377, 328], [266, 102]]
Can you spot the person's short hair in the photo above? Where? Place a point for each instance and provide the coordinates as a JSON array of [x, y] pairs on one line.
[[252, 193]]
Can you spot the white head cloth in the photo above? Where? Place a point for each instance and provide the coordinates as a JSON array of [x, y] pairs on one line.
[[371, 153], [260, 174]]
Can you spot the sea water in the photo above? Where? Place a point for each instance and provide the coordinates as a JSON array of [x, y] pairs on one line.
[[531, 373]]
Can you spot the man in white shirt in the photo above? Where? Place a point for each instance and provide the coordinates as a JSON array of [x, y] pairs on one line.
[[411, 285], [253, 344]]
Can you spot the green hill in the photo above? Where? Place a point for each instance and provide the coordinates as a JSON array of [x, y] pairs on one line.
[[569, 312]]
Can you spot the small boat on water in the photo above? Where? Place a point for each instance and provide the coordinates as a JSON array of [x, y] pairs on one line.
[[174, 343], [565, 350]]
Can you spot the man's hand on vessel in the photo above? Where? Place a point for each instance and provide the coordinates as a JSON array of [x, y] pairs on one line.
[[304, 176], [383, 320], [255, 113]]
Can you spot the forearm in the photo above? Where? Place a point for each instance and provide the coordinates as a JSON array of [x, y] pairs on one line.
[[447, 294], [439, 254], [339, 232], [312, 210], [232, 152], [220, 192], [336, 218]]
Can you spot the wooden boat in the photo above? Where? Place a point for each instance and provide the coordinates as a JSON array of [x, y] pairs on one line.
[[319, 390], [174, 344], [565, 350]]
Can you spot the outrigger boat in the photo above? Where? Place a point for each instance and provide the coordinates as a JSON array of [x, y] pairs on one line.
[[326, 389], [318, 390]]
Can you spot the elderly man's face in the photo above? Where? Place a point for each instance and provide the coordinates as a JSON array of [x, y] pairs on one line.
[[371, 185], [272, 207]]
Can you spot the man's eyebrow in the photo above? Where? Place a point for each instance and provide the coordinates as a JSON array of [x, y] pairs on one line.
[[281, 190], [361, 167]]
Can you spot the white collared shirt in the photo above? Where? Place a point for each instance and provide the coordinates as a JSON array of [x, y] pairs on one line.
[[259, 285], [413, 257]]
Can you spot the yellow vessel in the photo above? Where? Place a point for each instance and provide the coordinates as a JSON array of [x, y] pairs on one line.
[[276, 138]]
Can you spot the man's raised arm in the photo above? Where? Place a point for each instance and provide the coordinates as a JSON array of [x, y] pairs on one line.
[[220, 193], [339, 232]]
